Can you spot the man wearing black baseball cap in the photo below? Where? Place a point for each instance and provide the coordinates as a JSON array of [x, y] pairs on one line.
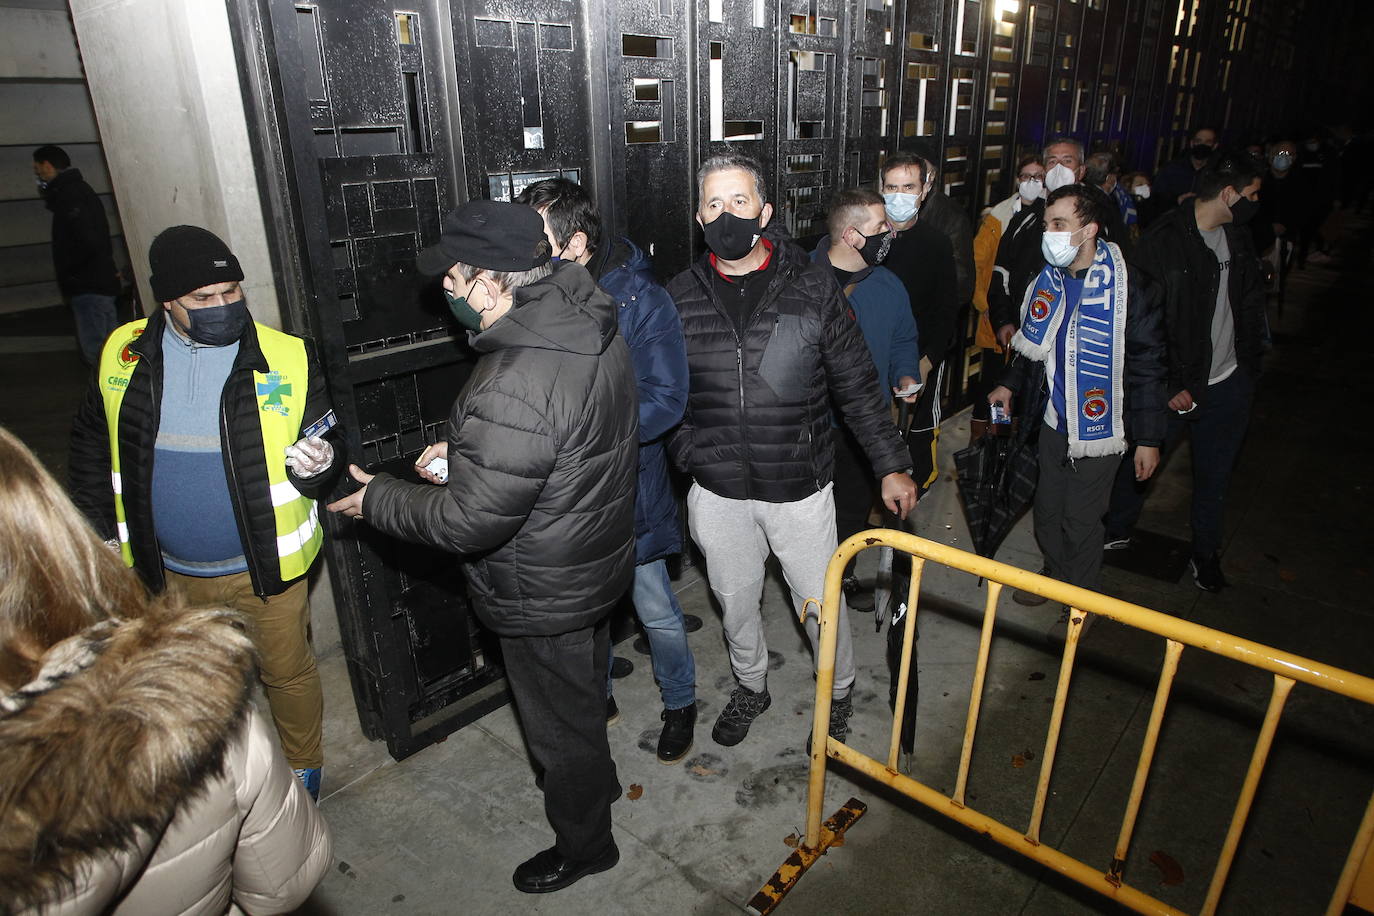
[[541, 447], [209, 488]]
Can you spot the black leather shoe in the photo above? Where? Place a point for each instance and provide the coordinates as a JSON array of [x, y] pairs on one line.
[[550, 871], [676, 738]]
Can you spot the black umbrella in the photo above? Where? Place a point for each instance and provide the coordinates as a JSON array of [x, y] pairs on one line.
[[997, 477], [892, 607]]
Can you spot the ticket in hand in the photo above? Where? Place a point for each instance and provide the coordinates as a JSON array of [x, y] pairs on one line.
[[321, 426]]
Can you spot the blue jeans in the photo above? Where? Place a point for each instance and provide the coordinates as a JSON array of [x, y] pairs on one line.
[[95, 320], [659, 612]]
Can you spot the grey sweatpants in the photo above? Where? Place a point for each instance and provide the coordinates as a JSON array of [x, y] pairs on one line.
[[736, 535], [1069, 502]]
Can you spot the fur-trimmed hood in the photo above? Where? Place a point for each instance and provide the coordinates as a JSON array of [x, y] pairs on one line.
[[126, 721]]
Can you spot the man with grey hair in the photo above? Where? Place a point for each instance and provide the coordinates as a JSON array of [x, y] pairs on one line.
[[539, 504], [1101, 171], [1018, 256], [770, 345]]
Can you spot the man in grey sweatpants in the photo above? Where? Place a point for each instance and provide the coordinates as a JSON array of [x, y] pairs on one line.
[[770, 341]]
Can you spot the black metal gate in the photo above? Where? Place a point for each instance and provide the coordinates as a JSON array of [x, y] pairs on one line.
[[372, 117]]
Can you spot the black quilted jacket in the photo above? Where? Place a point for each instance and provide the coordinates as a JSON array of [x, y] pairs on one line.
[[758, 421], [542, 449]]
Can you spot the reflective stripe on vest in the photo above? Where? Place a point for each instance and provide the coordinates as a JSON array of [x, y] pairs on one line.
[[280, 393]]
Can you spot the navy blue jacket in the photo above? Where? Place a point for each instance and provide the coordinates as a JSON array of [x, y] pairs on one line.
[[883, 310], [650, 325]]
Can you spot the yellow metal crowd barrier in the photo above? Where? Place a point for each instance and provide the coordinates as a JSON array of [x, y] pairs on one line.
[[1356, 883]]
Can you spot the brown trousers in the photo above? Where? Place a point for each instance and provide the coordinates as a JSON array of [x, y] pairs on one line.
[[279, 626]]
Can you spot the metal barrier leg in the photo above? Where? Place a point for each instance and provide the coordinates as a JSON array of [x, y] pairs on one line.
[[825, 685], [803, 857], [1061, 695], [975, 699], [1358, 854], [1277, 699], [1172, 651]]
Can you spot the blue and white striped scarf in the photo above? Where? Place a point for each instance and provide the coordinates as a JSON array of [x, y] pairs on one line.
[[1094, 356]]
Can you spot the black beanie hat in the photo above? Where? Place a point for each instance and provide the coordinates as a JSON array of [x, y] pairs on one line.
[[185, 258]]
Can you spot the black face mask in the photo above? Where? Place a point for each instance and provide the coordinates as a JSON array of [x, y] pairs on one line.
[[1243, 210], [875, 248], [732, 237], [217, 325], [1200, 151]]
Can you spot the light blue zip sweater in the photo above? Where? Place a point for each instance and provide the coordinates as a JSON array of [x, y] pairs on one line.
[[192, 511]]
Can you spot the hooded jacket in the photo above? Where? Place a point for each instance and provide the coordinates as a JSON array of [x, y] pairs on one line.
[[82, 254], [1174, 256], [759, 411], [649, 324], [120, 800], [542, 445], [244, 456]]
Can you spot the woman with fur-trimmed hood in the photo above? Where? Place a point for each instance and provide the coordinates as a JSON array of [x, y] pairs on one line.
[[135, 774]]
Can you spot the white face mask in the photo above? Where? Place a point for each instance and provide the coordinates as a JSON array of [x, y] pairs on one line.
[[1058, 247], [1142, 191], [1030, 190], [1058, 177], [901, 207]]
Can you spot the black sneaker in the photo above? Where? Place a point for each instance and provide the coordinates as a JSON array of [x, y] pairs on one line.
[[744, 707], [612, 711], [1207, 573], [840, 711], [1030, 599], [1111, 542], [858, 598], [676, 738]]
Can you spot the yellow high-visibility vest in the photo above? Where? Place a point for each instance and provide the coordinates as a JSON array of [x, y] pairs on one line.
[[281, 394]]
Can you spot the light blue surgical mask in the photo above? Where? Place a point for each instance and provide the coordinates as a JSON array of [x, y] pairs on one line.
[[901, 207], [1059, 249]]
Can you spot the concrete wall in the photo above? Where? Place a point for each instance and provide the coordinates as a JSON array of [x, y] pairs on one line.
[[43, 99], [166, 91]]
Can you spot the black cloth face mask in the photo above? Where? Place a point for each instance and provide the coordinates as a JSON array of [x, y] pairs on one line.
[[1200, 151], [217, 325], [1243, 210], [875, 247], [732, 237]]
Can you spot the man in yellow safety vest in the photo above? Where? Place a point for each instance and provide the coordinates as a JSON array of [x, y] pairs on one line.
[[199, 453]]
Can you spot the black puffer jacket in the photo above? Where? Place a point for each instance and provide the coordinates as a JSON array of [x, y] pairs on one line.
[[82, 255], [244, 457], [542, 448], [758, 413], [1174, 256]]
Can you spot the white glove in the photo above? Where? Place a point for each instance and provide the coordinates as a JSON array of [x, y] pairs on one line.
[[309, 457]]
